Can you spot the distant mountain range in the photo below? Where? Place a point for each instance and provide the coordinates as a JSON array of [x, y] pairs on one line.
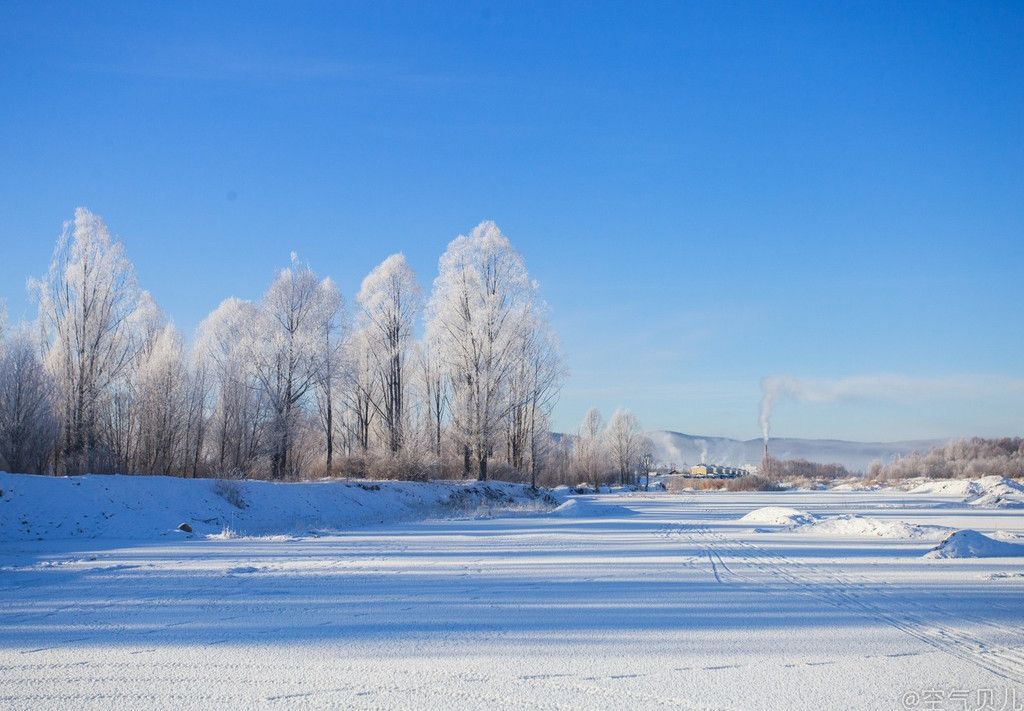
[[682, 450]]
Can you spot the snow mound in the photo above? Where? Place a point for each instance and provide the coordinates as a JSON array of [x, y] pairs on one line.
[[971, 544], [846, 525], [779, 516], [1008, 536], [569, 508], [949, 487], [574, 508], [857, 525], [855, 486], [997, 501]]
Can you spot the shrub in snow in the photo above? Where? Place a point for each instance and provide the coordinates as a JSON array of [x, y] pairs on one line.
[[226, 533], [755, 482], [231, 491]]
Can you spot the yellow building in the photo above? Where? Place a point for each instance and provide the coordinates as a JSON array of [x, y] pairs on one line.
[[714, 471]]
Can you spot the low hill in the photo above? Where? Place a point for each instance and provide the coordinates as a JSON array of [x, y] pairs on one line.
[[683, 450]]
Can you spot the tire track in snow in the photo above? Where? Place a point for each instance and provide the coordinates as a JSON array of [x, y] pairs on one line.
[[844, 591], [714, 568], [910, 617]]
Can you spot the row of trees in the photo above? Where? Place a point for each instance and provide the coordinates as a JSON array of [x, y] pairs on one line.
[[614, 452], [958, 459], [289, 386], [784, 469]]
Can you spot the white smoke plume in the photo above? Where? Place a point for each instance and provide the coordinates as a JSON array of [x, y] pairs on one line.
[[703, 450], [777, 388]]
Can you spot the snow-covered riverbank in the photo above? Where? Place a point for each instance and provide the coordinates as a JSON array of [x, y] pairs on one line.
[[153, 508]]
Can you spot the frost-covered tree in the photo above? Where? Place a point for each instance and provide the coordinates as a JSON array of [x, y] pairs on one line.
[[163, 388], [285, 353], [534, 383], [625, 444], [239, 407], [28, 427], [482, 301], [331, 342], [389, 302], [433, 391], [590, 454], [121, 416], [86, 302], [197, 397], [544, 450], [361, 393]]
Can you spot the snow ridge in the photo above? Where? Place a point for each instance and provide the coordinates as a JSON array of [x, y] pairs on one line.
[[155, 507]]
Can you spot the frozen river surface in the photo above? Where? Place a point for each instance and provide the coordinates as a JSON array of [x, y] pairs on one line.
[[616, 602]]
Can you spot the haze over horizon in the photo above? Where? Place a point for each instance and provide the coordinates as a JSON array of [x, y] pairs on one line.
[[792, 217]]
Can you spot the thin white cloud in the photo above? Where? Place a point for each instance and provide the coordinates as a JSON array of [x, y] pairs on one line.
[[882, 387], [202, 62]]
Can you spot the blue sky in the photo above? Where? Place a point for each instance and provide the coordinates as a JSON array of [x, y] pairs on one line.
[[708, 193]]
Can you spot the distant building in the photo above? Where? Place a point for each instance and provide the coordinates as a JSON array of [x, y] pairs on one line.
[[714, 471]]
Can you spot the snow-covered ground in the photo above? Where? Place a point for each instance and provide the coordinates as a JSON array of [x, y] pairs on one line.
[[616, 601]]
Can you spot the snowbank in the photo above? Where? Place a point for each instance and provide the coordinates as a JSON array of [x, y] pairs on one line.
[[151, 507], [971, 544], [778, 516], [987, 492]]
